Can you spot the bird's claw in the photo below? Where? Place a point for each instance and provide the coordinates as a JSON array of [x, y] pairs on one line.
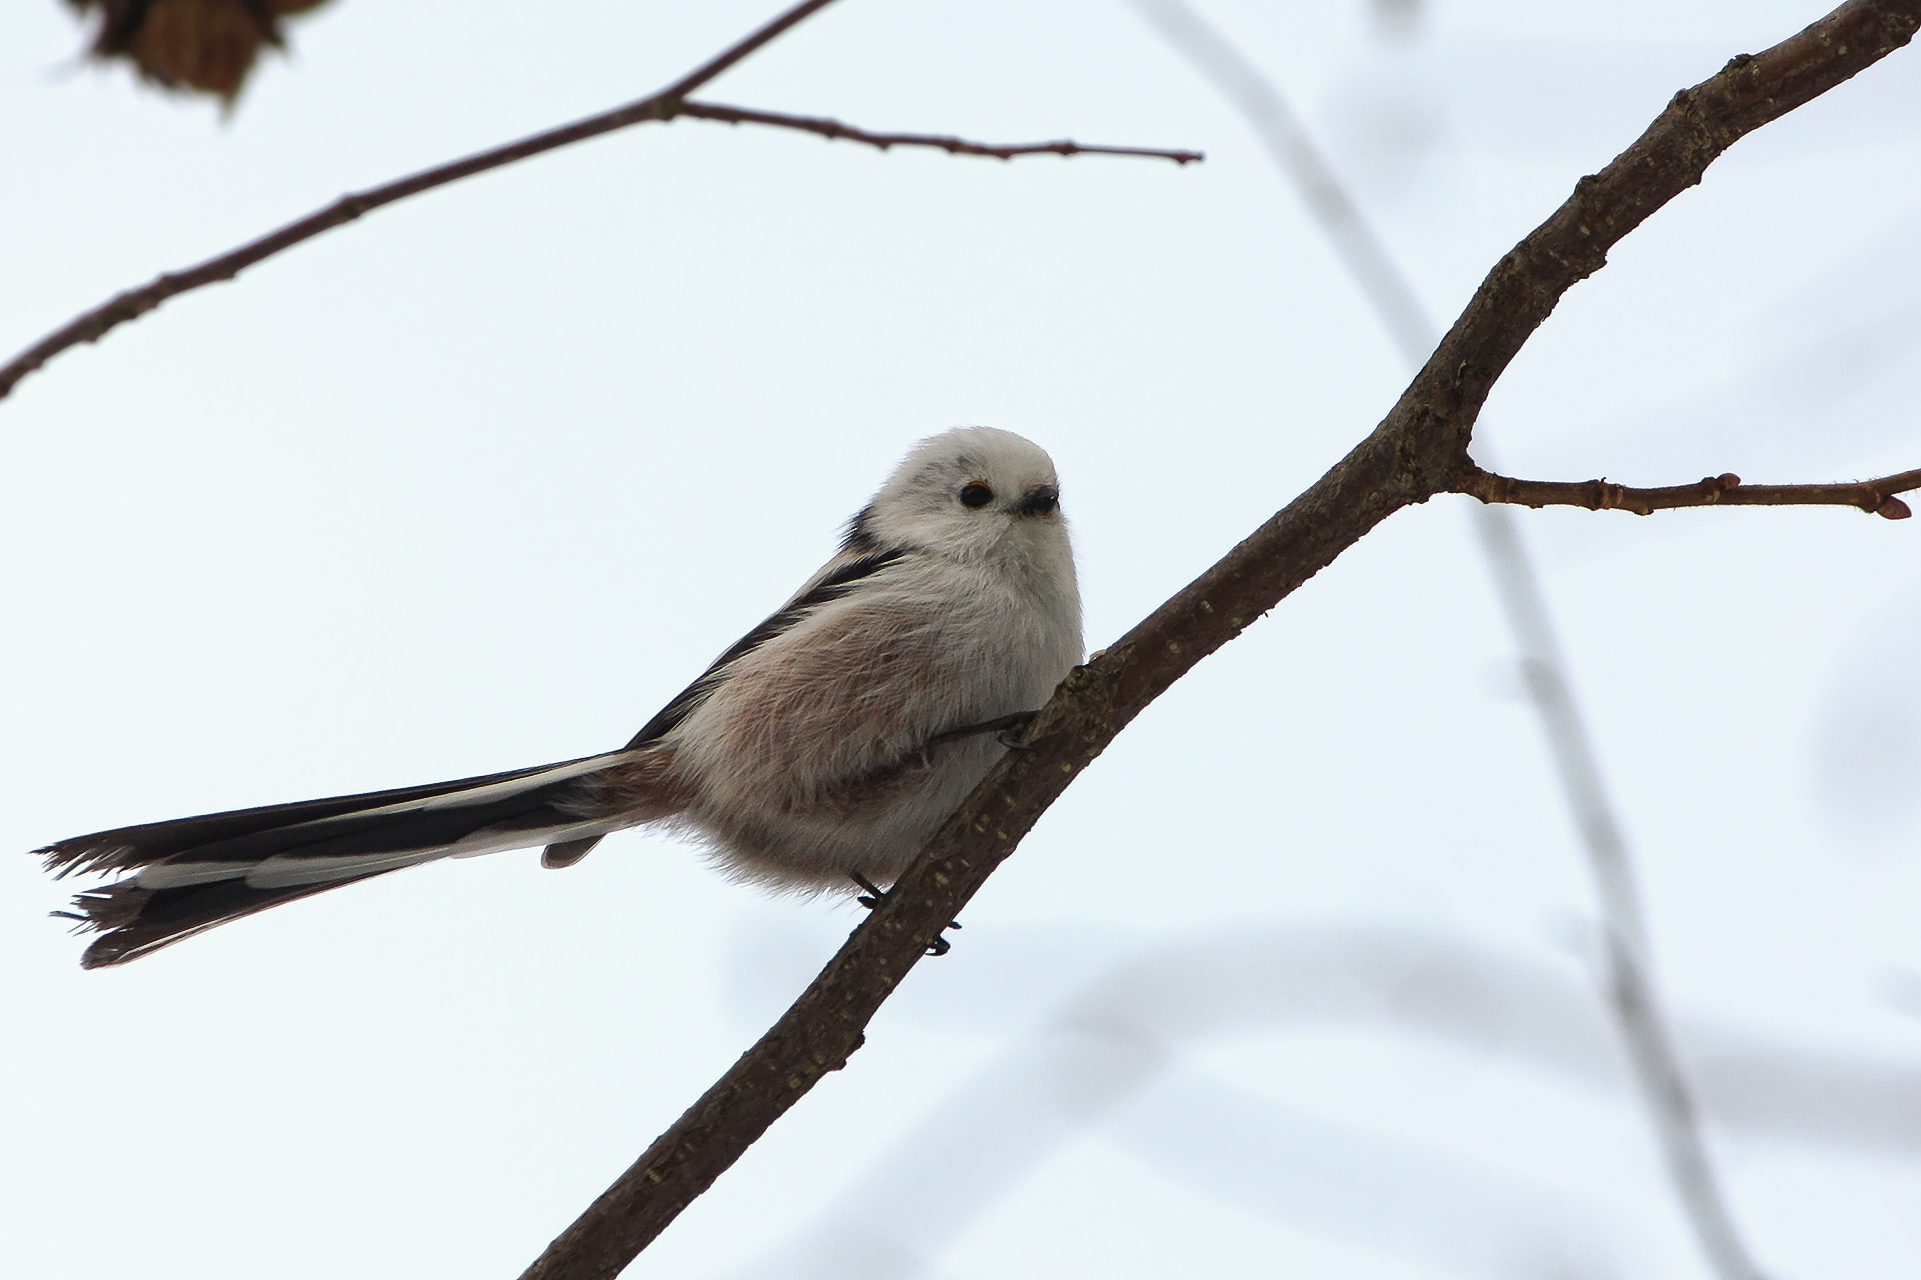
[[1009, 731], [1012, 730], [940, 946]]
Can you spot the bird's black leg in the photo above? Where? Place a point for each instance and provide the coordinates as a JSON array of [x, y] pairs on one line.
[[874, 894], [938, 947], [1009, 731]]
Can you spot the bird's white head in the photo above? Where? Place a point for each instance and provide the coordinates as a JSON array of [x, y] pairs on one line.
[[970, 493]]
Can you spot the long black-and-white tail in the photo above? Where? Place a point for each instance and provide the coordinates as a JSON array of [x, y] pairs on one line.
[[194, 873]]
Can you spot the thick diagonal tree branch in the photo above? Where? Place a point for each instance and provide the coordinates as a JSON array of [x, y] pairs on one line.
[[1420, 449], [1873, 496], [1627, 969], [670, 103]]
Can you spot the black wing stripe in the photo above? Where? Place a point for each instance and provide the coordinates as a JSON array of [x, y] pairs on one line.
[[859, 538], [828, 589]]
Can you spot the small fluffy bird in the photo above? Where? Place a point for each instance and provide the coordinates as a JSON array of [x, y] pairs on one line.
[[828, 744]]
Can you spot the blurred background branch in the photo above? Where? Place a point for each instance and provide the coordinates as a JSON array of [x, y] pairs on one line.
[[1548, 682], [1116, 1057]]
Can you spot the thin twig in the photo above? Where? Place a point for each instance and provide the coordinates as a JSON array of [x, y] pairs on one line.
[[1876, 497], [669, 104], [1664, 1087], [740, 49], [830, 128], [1411, 456], [135, 303]]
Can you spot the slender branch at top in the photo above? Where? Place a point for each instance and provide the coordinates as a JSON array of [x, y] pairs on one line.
[[829, 128], [1412, 455], [751, 43], [1876, 497], [134, 303], [669, 104]]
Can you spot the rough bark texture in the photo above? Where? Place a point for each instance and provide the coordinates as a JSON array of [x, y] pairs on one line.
[[1419, 450]]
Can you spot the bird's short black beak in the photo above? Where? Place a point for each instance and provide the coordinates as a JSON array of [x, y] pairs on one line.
[[1041, 500]]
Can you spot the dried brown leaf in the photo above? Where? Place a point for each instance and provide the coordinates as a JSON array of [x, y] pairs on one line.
[[205, 46]]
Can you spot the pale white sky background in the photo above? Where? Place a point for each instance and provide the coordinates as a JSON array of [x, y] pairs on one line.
[[1291, 983]]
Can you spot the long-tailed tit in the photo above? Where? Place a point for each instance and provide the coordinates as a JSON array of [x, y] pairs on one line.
[[830, 742]]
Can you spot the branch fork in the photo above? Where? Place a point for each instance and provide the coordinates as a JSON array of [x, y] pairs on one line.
[[1419, 450], [669, 104]]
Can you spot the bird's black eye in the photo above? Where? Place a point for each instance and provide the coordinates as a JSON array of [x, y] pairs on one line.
[[975, 493]]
